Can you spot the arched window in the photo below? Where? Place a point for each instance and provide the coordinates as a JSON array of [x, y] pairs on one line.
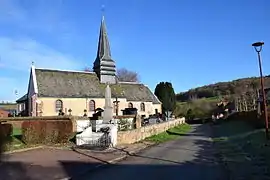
[[130, 105], [142, 107], [92, 105], [58, 105]]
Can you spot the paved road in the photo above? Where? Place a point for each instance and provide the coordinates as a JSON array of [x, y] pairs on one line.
[[191, 157]]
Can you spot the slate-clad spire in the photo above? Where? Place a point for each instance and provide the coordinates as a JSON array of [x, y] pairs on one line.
[[104, 66], [104, 50]]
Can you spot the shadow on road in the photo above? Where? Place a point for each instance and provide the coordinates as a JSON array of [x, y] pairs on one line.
[[170, 163], [203, 164]]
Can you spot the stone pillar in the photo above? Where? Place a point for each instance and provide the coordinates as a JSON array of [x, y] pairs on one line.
[[108, 109], [138, 122]]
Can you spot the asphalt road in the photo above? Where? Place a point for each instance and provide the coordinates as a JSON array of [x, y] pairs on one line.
[[191, 157]]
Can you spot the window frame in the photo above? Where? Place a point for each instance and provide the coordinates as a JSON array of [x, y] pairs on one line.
[[59, 105], [92, 105], [130, 105], [142, 107]]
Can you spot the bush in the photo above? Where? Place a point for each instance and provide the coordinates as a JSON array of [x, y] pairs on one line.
[[46, 132], [6, 130], [249, 117], [5, 136]]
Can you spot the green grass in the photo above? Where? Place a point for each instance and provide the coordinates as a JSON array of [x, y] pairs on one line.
[[170, 134], [17, 132], [243, 149], [15, 141]]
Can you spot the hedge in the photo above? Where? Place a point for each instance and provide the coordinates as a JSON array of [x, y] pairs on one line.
[[250, 117], [6, 130], [46, 131], [5, 136]]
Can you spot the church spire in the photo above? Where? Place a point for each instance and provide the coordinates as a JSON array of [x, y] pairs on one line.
[[104, 66], [104, 50]]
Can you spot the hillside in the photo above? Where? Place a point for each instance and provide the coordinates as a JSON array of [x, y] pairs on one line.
[[223, 88]]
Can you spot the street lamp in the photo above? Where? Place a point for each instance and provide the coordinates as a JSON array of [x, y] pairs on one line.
[[258, 48]]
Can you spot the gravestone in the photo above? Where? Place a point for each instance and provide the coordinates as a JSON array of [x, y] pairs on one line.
[[108, 108]]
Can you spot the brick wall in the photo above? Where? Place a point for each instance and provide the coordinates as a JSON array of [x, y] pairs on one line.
[[135, 135]]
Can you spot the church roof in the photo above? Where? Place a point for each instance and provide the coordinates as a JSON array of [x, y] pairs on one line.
[[22, 99], [77, 84]]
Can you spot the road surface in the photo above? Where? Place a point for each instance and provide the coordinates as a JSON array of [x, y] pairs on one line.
[[190, 157]]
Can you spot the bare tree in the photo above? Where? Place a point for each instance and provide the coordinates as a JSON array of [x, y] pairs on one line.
[[87, 69], [127, 75]]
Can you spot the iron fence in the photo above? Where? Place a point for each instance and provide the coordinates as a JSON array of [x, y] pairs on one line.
[[103, 141]]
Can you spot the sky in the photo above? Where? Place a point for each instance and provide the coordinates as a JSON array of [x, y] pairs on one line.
[[188, 43]]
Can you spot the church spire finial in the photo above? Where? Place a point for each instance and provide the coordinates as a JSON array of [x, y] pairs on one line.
[[103, 11]]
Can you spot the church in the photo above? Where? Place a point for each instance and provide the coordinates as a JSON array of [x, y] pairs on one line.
[[80, 92]]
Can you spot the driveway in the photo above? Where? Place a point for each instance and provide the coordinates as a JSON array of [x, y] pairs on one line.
[[191, 157]]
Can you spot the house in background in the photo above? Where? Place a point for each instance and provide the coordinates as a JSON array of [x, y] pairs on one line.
[[260, 106], [51, 90], [3, 113], [22, 104], [11, 108]]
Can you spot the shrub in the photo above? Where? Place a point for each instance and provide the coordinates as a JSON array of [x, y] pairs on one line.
[[46, 132], [6, 130], [5, 136], [249, 117]]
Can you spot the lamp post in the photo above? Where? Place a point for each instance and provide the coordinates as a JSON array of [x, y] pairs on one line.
[[258, 48]]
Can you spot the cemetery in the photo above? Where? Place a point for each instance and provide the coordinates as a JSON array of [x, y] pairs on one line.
[[102, 130]]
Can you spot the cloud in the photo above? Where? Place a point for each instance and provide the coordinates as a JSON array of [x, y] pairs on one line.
[[37, 17], [11, 84], [10, 10], [43, 15], [20, 53], [16, 58]]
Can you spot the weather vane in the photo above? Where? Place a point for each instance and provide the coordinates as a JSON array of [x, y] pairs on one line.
[[102, 9], [33, 63]]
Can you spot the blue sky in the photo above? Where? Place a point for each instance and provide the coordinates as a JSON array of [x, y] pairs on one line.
[[189, 43]]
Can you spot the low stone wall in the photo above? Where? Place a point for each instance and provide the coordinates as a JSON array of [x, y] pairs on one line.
[[135, 135]]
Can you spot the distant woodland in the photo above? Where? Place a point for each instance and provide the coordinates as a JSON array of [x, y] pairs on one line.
[[235, 87], [243, 93]]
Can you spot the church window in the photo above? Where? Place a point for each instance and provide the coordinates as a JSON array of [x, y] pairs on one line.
[[130, 105], [92, 105], [142, 107], [58, 105]]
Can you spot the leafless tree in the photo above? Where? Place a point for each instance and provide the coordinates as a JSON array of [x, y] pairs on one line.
[[87, 69], [126, 75]]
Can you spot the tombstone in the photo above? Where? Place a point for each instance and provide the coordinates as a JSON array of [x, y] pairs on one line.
[[108, 108]]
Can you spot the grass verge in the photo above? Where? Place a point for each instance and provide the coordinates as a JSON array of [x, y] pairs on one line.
[[243, 150], [170, 134]]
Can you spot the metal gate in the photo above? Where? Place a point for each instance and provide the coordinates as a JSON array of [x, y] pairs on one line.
[[96, 142]]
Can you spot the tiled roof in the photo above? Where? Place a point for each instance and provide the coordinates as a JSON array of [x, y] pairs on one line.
[[61, 84]]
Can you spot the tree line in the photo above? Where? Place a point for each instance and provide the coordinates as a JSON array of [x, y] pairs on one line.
[[243, 93], [232, 88]]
